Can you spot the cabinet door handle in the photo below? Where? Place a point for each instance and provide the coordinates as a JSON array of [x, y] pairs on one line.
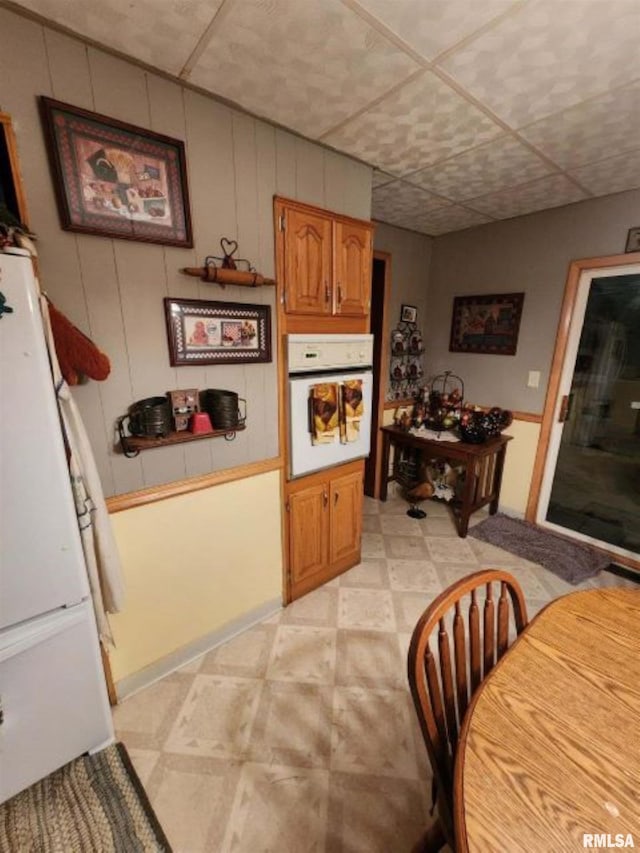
[[335, 498], [339, 293], [327, 294], [325, 498]]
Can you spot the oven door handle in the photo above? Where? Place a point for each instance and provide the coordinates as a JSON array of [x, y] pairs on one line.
[[310, 424]]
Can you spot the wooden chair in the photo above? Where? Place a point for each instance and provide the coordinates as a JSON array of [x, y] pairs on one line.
[[442, 688]]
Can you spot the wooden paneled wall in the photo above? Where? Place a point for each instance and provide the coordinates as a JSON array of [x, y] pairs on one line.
[[113, 289]]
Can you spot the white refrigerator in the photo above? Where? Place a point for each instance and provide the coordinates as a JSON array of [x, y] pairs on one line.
[[53, 700]]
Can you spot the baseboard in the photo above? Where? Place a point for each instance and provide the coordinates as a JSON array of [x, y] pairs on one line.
[[185, 654]]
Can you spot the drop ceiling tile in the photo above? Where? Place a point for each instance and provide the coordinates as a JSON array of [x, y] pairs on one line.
[[613, 175], [552, 191], [160, 34], [431, 26], [421, 123], [379, 178], [308, 66], [494, 166], [399, 200], [550, 55], [600, 128], [446, 219]]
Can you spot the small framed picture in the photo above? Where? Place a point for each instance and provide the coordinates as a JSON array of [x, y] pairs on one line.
[[633, 240], [205, 332], [408, 313]]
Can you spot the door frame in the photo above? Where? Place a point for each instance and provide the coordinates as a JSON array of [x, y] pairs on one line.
[[552, 400], [381, 369]]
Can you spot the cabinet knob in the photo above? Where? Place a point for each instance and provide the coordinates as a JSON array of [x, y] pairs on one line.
[[339, 293], [325, 498], [327, 294]]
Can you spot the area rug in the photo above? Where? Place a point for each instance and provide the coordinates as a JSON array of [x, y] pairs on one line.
[[95, 804], [572, 561]]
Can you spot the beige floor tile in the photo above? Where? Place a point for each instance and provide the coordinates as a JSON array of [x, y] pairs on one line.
[[144, 719], [438, 526], [371, 524], [305, 655], [409, 607], [216, 718], [370, 573], [372, 545], [246, 655], [192, 798], [445, 549], [406, 547], [400, 525], [278, 810], [144, 761], [357, 713], [192, 667], [293, 725], [414, 575], [319, 608], [366, 608], [369, 659], [370, 506], [357, 824]]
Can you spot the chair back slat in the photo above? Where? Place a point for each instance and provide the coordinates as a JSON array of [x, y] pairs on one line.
[[442, 696], [446, 673], [460, 655], [489, 632], [439, 739], [474, 642], [503, 620]]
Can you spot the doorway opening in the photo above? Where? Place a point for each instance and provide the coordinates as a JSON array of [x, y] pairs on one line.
[[380, 291]]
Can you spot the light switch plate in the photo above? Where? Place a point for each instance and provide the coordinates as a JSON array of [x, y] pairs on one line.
[[534, 379]]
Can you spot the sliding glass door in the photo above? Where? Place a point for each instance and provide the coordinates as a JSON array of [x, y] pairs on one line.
[[591, 486]]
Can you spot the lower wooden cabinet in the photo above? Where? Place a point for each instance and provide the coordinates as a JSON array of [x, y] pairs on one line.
[[324, 526]]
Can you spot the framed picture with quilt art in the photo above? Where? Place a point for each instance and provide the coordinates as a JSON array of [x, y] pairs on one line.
[[114, 179]]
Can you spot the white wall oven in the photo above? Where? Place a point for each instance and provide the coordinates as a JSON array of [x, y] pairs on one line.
[[330, 384]]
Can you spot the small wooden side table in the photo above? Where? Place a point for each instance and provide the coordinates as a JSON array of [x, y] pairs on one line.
[[483, 465]]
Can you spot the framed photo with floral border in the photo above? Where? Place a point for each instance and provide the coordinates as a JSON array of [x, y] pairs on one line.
[[114, 179], [201, 331], [486, 323]]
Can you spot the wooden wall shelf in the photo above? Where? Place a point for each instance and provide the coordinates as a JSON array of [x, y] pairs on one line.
[[133, 444]]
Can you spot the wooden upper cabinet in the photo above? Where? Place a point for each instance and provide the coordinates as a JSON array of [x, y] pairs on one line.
[[307, 260], [324, 261], [352, 270]]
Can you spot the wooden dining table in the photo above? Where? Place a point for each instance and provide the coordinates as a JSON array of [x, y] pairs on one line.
[[549, 752]]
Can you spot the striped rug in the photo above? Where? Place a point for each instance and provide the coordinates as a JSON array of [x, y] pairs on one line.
[[95, 804]]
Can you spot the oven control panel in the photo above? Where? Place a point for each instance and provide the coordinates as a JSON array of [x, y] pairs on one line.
[[307, 353]]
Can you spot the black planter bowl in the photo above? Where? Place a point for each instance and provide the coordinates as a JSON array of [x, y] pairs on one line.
[[472, 434]]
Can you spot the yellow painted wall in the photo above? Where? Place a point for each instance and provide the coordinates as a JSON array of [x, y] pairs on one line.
[[518, 469], [194, 563]]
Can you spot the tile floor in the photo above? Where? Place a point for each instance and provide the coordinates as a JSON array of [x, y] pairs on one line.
[[299, 736]]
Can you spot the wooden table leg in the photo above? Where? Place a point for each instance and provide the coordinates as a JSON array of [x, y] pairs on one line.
[[497, 479], [467, 498], [384, 462]]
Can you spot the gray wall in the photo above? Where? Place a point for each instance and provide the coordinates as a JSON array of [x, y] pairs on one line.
[[530, 254], [411, 257], [113, 289]]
